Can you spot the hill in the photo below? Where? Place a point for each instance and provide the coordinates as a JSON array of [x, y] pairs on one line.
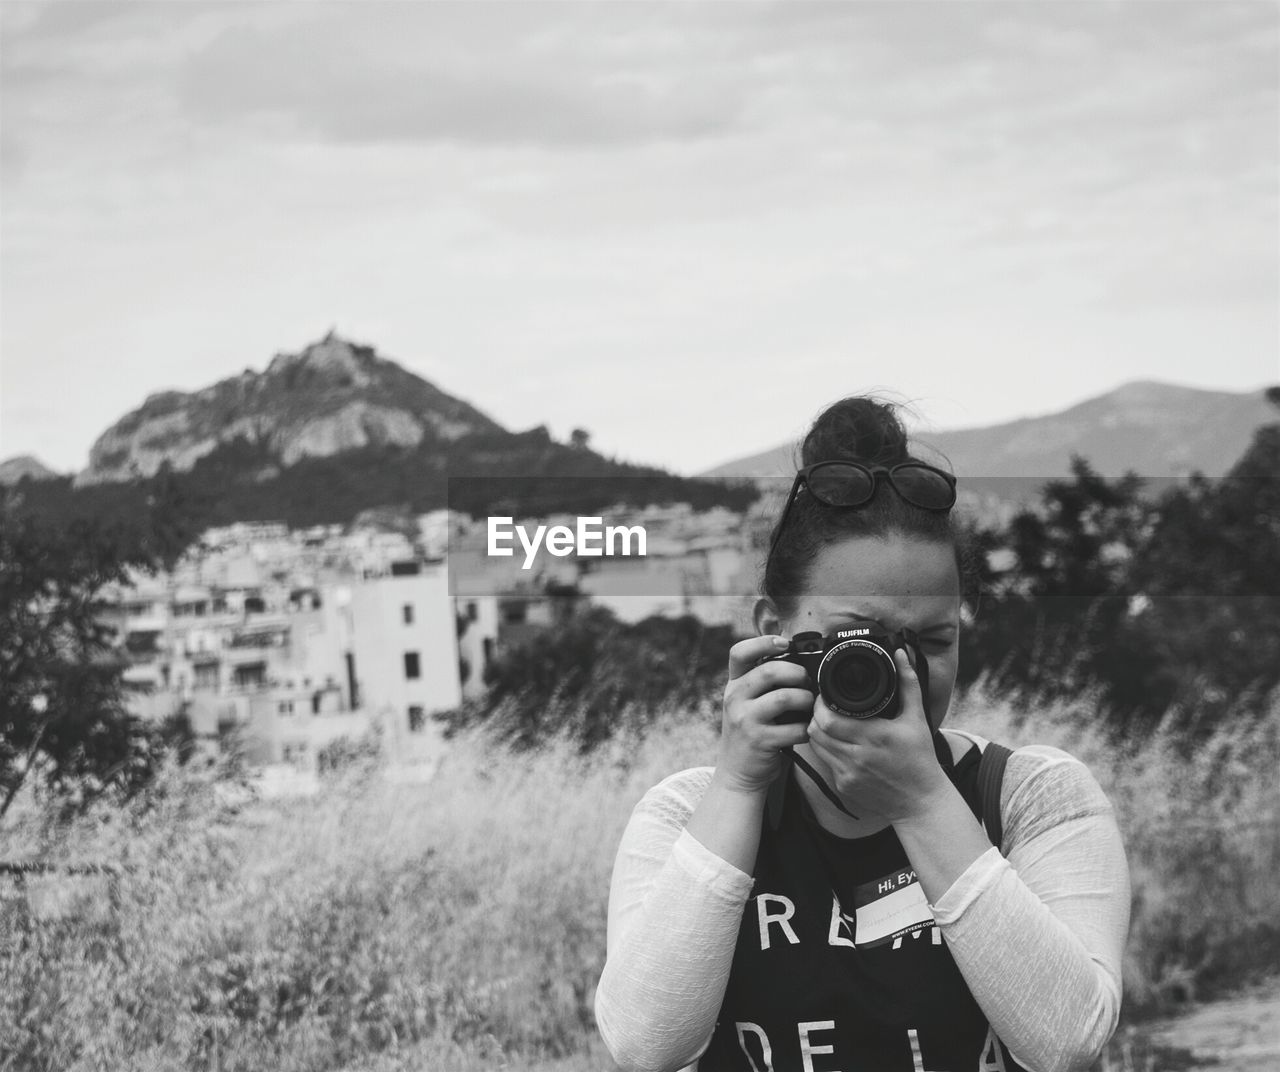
[[1158, 430], [322, 435], [24, 465], [334, 396]]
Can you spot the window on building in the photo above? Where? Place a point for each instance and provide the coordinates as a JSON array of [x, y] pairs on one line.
[[353, 683], [250, 676], [295, 753], [412, 666], [142, 642], [286, 707], [408, 614], [417, 718]]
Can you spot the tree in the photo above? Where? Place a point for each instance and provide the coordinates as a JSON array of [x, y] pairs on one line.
[[594, 676], [174, 516], [1056, 619], [580, 439], [1164, 604], [1210, 577], [62, 713]]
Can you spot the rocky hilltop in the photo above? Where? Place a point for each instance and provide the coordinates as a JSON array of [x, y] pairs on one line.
[[325, 435], [332, 397]]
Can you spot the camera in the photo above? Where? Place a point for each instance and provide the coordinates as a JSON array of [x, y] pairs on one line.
[[852, 668]]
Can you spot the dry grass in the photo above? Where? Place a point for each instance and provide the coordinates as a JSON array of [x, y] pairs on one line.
[[1202, 831], [460, 925]]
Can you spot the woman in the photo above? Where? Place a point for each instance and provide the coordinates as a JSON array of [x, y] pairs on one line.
[[852, 914]]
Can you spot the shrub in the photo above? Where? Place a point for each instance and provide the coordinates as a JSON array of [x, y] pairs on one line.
[[1201, 826], [595, 677]]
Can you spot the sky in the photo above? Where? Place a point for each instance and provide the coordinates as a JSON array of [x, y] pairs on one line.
[[685, 227]]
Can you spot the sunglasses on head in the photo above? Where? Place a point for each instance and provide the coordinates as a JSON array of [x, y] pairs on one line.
[[854, 484]]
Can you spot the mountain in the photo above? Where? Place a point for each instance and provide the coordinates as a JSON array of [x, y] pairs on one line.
[[323, 435], [24, 465], [1154, 429], [334, 396]]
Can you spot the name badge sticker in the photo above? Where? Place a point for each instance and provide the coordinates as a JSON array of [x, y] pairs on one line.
[[889, 908]]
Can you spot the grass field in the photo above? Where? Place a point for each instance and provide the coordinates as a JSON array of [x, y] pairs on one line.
[[460, 924]]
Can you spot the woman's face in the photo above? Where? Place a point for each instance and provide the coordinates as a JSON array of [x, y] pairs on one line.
[[898, 582]]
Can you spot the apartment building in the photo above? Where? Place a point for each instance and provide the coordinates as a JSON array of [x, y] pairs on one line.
[[292, 640], [289, 663], [403, 654]]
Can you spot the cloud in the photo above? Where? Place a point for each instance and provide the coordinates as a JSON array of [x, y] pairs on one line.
[[799, 181], [13, 159], [48, 20], [434, 73]]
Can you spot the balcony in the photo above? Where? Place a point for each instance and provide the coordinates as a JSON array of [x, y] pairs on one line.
[[144, 623], [258, 638], [142, 677]]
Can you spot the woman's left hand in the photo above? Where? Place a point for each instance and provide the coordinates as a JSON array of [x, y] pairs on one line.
[[885, 767]]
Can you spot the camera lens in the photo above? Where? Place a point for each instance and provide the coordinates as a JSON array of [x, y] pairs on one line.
[[857, 678]]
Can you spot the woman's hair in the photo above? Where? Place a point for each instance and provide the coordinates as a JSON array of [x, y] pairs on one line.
[[858, 429]]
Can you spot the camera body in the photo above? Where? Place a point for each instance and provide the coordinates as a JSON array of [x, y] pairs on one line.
[[851, 668]]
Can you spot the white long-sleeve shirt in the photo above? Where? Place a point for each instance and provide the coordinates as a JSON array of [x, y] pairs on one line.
[[1038, 933]]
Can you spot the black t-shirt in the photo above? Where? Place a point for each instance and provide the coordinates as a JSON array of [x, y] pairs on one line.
[[839, 966]]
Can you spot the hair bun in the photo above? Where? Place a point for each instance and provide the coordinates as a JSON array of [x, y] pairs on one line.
[[856, 429]]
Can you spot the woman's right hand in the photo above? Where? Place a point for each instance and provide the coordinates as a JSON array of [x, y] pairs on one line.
[[756, 696]]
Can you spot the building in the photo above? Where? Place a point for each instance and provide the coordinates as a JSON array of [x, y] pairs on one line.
[[402, 643], [292, 641], [288, 661], [478, 623]]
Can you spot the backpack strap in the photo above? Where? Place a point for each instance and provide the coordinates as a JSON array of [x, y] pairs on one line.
[[990, 777]]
